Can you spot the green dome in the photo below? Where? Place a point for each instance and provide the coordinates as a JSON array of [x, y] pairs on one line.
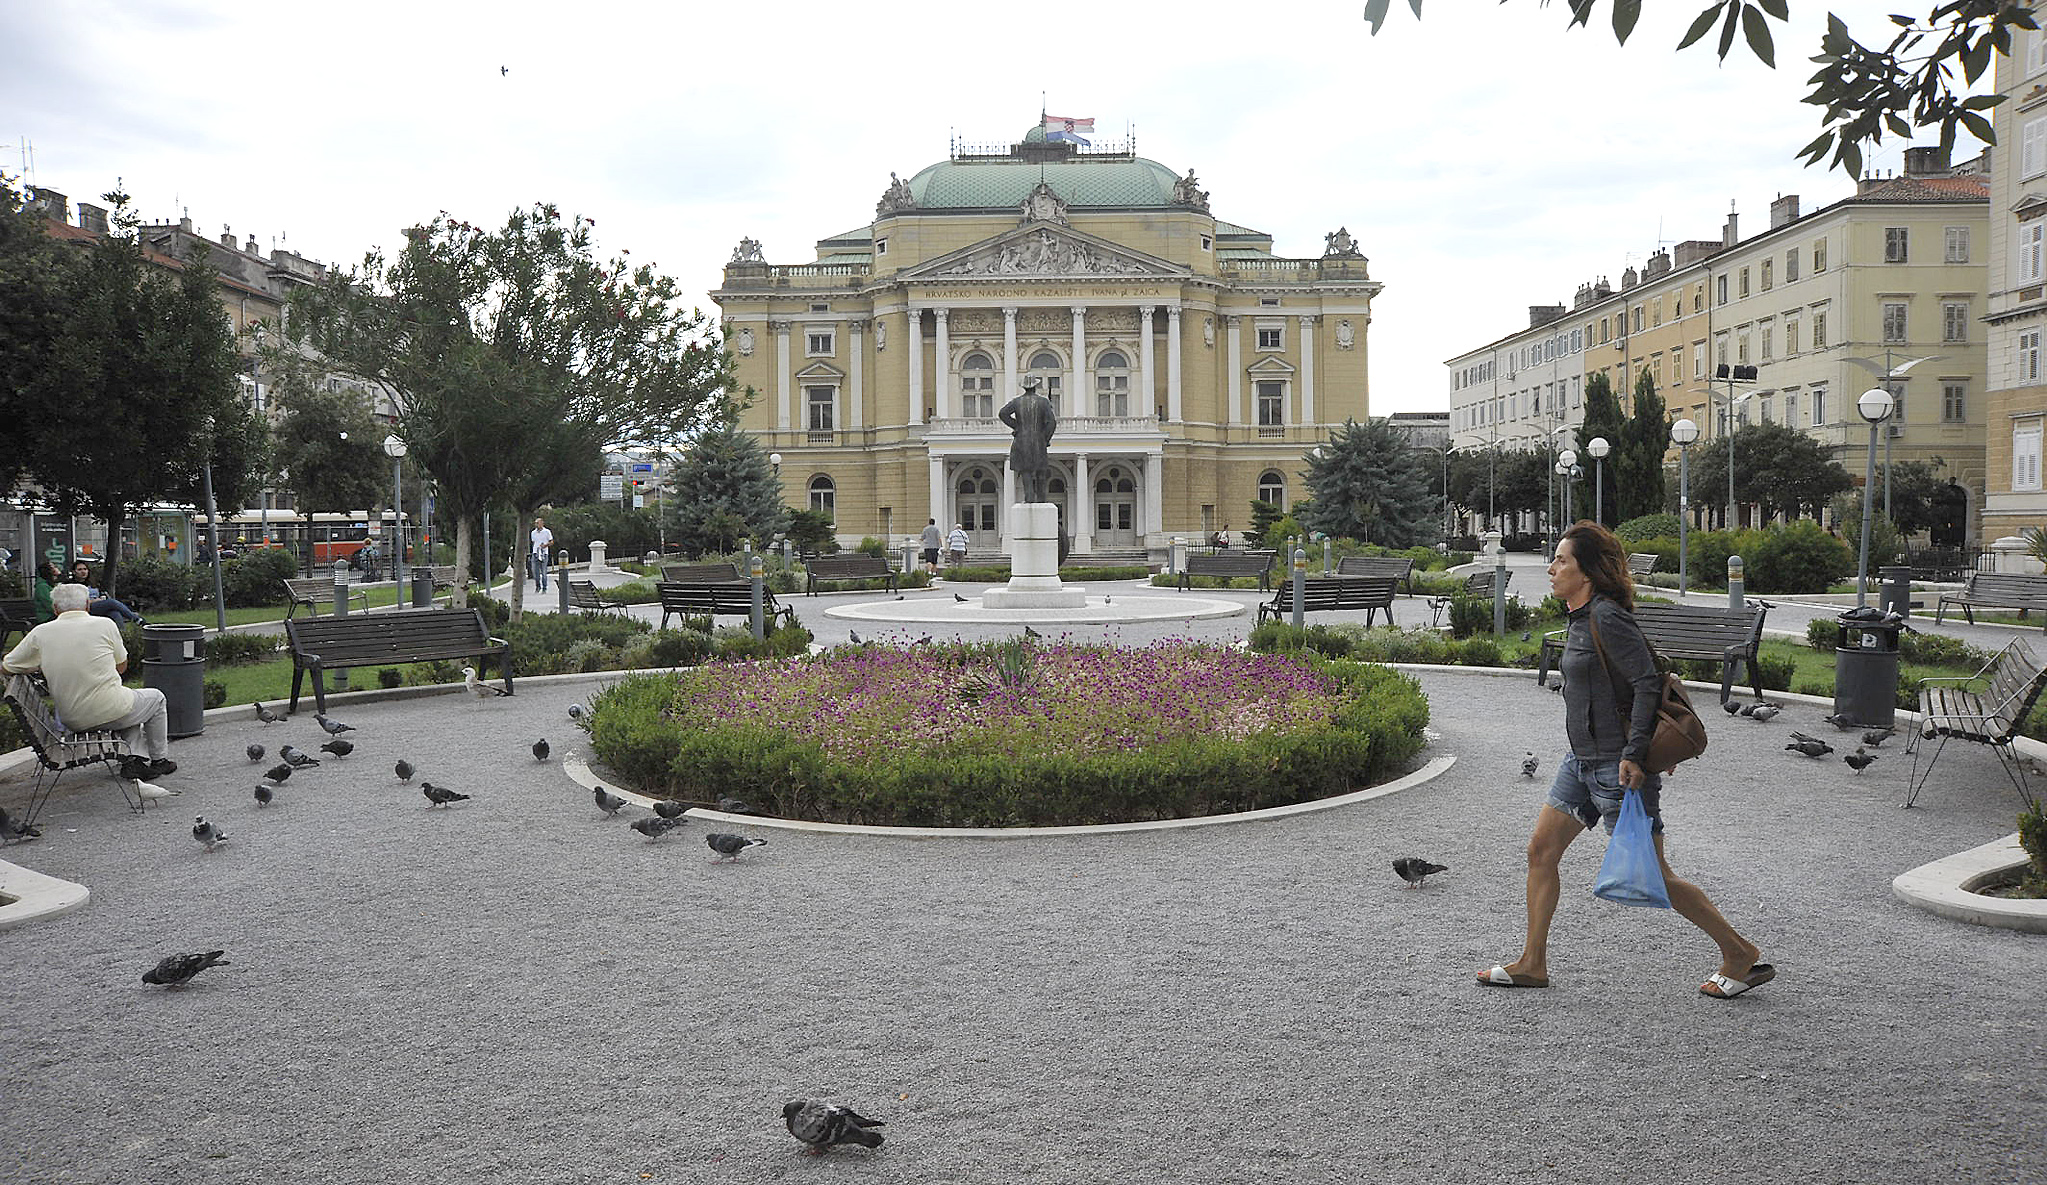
[[1082, 182]]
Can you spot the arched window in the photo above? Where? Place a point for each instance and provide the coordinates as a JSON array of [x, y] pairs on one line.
[[1112, 384], [823, 494], [977, 386], [1051, 375], [1272, 488], [978, 493]]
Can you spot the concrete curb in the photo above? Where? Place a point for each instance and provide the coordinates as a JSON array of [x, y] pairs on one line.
[[1946, 886], [36, 896]]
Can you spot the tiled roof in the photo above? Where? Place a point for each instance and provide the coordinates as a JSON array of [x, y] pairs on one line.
[[1081, 183], [1926, 189]]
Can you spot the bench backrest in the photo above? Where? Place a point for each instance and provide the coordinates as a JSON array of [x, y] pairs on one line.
[[1641, 563], [1480, 584], [2015, 681], [700, 573], [1335, 591], [309, 588], [392, 636], [1699, 631], [678, 596], [583, 593], [841, 567], [1230, 563], [54, 747], [1395, 566], [2008, 587]]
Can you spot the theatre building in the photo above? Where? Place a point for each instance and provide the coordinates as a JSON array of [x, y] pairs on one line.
[[1191, 366]]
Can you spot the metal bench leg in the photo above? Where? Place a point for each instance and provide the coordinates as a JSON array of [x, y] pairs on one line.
[[1917, 781], [39, 793], [2015, 769]]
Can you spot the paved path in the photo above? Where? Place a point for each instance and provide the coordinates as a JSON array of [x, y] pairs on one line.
[[518, 990]]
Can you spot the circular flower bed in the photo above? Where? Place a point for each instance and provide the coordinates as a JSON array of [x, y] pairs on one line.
[[1012, 734]]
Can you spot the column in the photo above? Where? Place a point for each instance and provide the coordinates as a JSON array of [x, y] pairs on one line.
[[937, 510], [1083, 508], [1008, 356], [856, 416], [1233, 391], [1154, 494], [781, 329], [913, 341], [1002, 508], [1173, 411], [1083, 401], [1307, 370], [1140, 377], [948, 387]]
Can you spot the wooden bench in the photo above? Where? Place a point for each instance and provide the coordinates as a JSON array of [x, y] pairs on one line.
[[1477, 586], [1399, 567], [316, 595], [846, 567], [719, 573], [444, 577], [583, 598], [717, 599], [1641, 563], [1229, 564], [1996, 590], [1373, 594], [1953, 708], [58, 749], [320, 644], [1709, 632], [17, 615]]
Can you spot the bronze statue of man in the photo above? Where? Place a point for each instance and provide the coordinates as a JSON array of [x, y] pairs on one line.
[[1031, 420]]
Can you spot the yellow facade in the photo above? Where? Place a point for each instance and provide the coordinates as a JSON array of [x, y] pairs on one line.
[[1191, 367]]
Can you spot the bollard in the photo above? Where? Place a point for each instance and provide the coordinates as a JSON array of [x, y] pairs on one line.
[[1175, 556], [340, 674], [1326, 543], [909, 555], [753, 571], [1497, 548], [1734, 583], [561, 582], [1300, 571]]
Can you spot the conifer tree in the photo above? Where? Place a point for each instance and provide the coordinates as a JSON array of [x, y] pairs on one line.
[[1637, 461], [1603, 418], [725, 492], [1370, 485]]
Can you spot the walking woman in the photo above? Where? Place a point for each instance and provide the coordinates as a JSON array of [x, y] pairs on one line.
[[1610, 714]]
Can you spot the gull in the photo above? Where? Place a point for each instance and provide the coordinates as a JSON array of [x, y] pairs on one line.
[[479, 688], [178, 970], [823, 1126]]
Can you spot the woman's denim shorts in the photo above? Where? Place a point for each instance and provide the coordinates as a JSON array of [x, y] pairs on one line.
[[1590, 791]]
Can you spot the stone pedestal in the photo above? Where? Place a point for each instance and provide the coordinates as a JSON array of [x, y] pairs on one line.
[[597, 549], [1034, 563]]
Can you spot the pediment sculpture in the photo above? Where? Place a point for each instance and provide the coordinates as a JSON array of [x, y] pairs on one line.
[[1043, 205], [1044, 254], [896, 198], [1187, 191], [1339, 243], [748, 251]]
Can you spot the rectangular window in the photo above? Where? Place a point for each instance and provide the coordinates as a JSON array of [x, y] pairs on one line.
[[1769, 332], [1791, 335], [1894, 321], [1744, 281], [2033, 148], [2031, 245], [1790, 410], [1638, 318], [1791, 265], [2027, 364], [1954, 402], [1656, 312], [1958, 244], [1763, 409], [1819, 256], [2025, 455], [1819, 406], [1954, 321], [1698, 360], [1271, 404], [1897, 389], [1272, 337], [2036, 52], [1741, 341], [1207, 242], [1819, 331], [819, 400], [1897, 244], [1720, 293], [818, 343], [1767, 266], [1720, 349], [881, 246], [1699, 297], [1605, 331]]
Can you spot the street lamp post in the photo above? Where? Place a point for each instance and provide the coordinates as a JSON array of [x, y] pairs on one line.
[[1685, 433], [1598, 447], [1875, 406], [394, 448], [1567, 465]]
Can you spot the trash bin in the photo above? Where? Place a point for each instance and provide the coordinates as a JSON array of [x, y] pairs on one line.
[[174, 662], [1895, 591], [1866, 668], [422, 588]]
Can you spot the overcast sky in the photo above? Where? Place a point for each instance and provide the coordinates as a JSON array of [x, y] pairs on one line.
[[1485, 157]]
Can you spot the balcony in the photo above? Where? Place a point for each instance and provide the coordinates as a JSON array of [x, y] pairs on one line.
[[1069, 426], [1297, 271]]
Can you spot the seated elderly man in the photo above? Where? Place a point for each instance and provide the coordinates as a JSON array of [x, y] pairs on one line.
[[82, 659]]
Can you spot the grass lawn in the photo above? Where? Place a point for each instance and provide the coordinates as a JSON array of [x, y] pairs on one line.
[[379, 598]]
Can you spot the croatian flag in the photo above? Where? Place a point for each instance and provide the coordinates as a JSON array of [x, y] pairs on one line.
[[1060, 127]]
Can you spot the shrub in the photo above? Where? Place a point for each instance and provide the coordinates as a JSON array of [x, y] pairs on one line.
[[2033, 838], [587, 654], [151, 583], [869, 545], [1776, 672], [390, 677], [632, 592], [680, 648], [1479, 652], [1645, 528], [233, 650], [1474, 615], [1822, 634], [1940, 650], [214, 694], [1799, 558], [1814, 687], [257, 577]]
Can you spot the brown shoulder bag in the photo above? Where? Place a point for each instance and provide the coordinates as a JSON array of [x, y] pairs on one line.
[[1680, 735]]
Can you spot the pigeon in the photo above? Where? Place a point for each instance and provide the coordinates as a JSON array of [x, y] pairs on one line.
[[278, 773], [923, 641], [668, 808], [962, 600], [578, 711], [1799, 736], [206, 833], [1839, 721], [608, 802], [440, 795], [339, 748], [477, 686], [178, 970], [1858, 760], [403, 769], [10, 832], [1106, 598], [265, 795], [1031, 633], [1875, 737], [655, 828], [255, 752], [1414, 870], [1529, 764], [823, 1126], [1749, 709], [1811, 747], [267, 716], [728, 846], [333, 727], [1765, 712], [1730, 707], [734, 806], [148, 790], [504, 70], [540, 749], [854, 637], [296, 759]]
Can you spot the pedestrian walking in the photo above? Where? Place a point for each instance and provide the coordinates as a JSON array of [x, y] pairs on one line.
[[957, 544], [541, 542], [930, 542]]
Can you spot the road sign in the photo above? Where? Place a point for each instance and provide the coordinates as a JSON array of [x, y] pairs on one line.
[[611, 487], [643, 467], [639, 501]]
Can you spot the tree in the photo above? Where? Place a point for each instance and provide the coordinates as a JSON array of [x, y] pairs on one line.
[[1263, 515], [1603, 418], [1776, 467], [1916, 494], [330, 449], [1865, 92], [516, 356], [1370, 485], [725, 491], [124, 390], [1637, 459]]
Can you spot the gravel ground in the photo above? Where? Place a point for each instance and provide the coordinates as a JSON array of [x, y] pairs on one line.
[[518, 990]]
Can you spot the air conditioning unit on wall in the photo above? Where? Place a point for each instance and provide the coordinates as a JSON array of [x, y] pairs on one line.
[[1894, 430]]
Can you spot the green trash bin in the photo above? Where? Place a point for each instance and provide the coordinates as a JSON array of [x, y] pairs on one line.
[[174, 662]]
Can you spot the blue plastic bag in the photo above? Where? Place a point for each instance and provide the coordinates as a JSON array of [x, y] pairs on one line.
[[1631, 874]]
